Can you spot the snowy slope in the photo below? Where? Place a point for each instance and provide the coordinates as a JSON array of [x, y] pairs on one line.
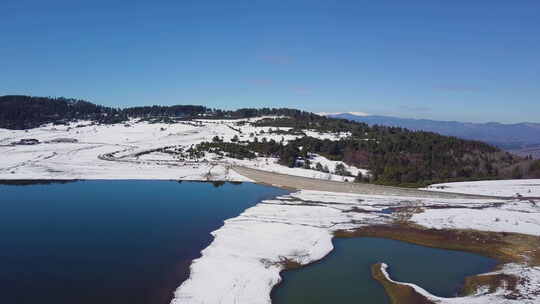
[[132, 146]]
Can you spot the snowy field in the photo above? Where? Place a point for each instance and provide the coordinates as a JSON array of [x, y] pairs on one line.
[[516, 216], [520, 216], [243, 262], [270, 164], [80, 160], [83, 150], [523, 187]]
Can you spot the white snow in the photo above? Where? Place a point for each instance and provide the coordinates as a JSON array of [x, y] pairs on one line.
[[80, 160], [520, 216], [516, 216], [127, 143], [528, 288], [271, 165], [242, 264], [523, 187]]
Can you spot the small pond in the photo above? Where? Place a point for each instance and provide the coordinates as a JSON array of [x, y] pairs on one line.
[[344, 276]]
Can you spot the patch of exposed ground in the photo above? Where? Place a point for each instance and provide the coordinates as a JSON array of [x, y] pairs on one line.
[[398, 293]]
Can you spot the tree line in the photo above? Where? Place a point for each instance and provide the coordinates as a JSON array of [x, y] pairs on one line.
[[25, 112], [393, 155]]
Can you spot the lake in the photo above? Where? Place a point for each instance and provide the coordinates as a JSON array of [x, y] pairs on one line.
[[133, 241], [344, 276], [110, 241]]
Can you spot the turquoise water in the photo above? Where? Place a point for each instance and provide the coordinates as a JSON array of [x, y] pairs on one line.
[[344, 276], [109, 241]]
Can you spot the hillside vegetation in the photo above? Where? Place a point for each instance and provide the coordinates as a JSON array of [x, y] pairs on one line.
[[505, 136], [394, 156], [25, 112], [20, 112]]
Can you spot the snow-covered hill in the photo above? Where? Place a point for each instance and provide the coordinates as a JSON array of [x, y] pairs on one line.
[[134, 150]]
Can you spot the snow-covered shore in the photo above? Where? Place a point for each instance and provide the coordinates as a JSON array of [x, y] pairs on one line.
[[243, 262], [523, 187], [520, 215]]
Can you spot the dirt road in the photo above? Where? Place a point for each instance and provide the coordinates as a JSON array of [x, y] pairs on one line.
[[305, 183]]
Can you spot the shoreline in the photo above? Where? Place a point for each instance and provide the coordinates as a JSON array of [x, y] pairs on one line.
[[505, 248], [509, 247], [154, 227], [297, 230], [396, 293], [471, 284]]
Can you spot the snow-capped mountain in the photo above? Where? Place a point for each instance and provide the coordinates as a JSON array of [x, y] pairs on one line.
[[508, 136]]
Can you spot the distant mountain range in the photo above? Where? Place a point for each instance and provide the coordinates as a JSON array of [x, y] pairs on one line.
[[506, 136]]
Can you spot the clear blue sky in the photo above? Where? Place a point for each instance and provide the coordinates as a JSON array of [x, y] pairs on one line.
[[468, 60]]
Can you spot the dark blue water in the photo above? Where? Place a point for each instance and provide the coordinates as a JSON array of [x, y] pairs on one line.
[[109, 241], [345, 275]]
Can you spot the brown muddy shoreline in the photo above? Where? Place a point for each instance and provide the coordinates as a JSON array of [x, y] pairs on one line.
[[503, 247]]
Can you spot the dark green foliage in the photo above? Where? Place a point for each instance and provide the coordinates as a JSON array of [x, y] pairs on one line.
[[24, 112], [307, 164], [341, 170], [397, 155], [394, 156], [218, 184], [516, 173], [287, 132], [167, 111], [233, 150], [360, 178], [534, 169], [304, 120], [288, 155]]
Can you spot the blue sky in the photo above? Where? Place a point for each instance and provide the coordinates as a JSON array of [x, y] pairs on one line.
[[453, 60]]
